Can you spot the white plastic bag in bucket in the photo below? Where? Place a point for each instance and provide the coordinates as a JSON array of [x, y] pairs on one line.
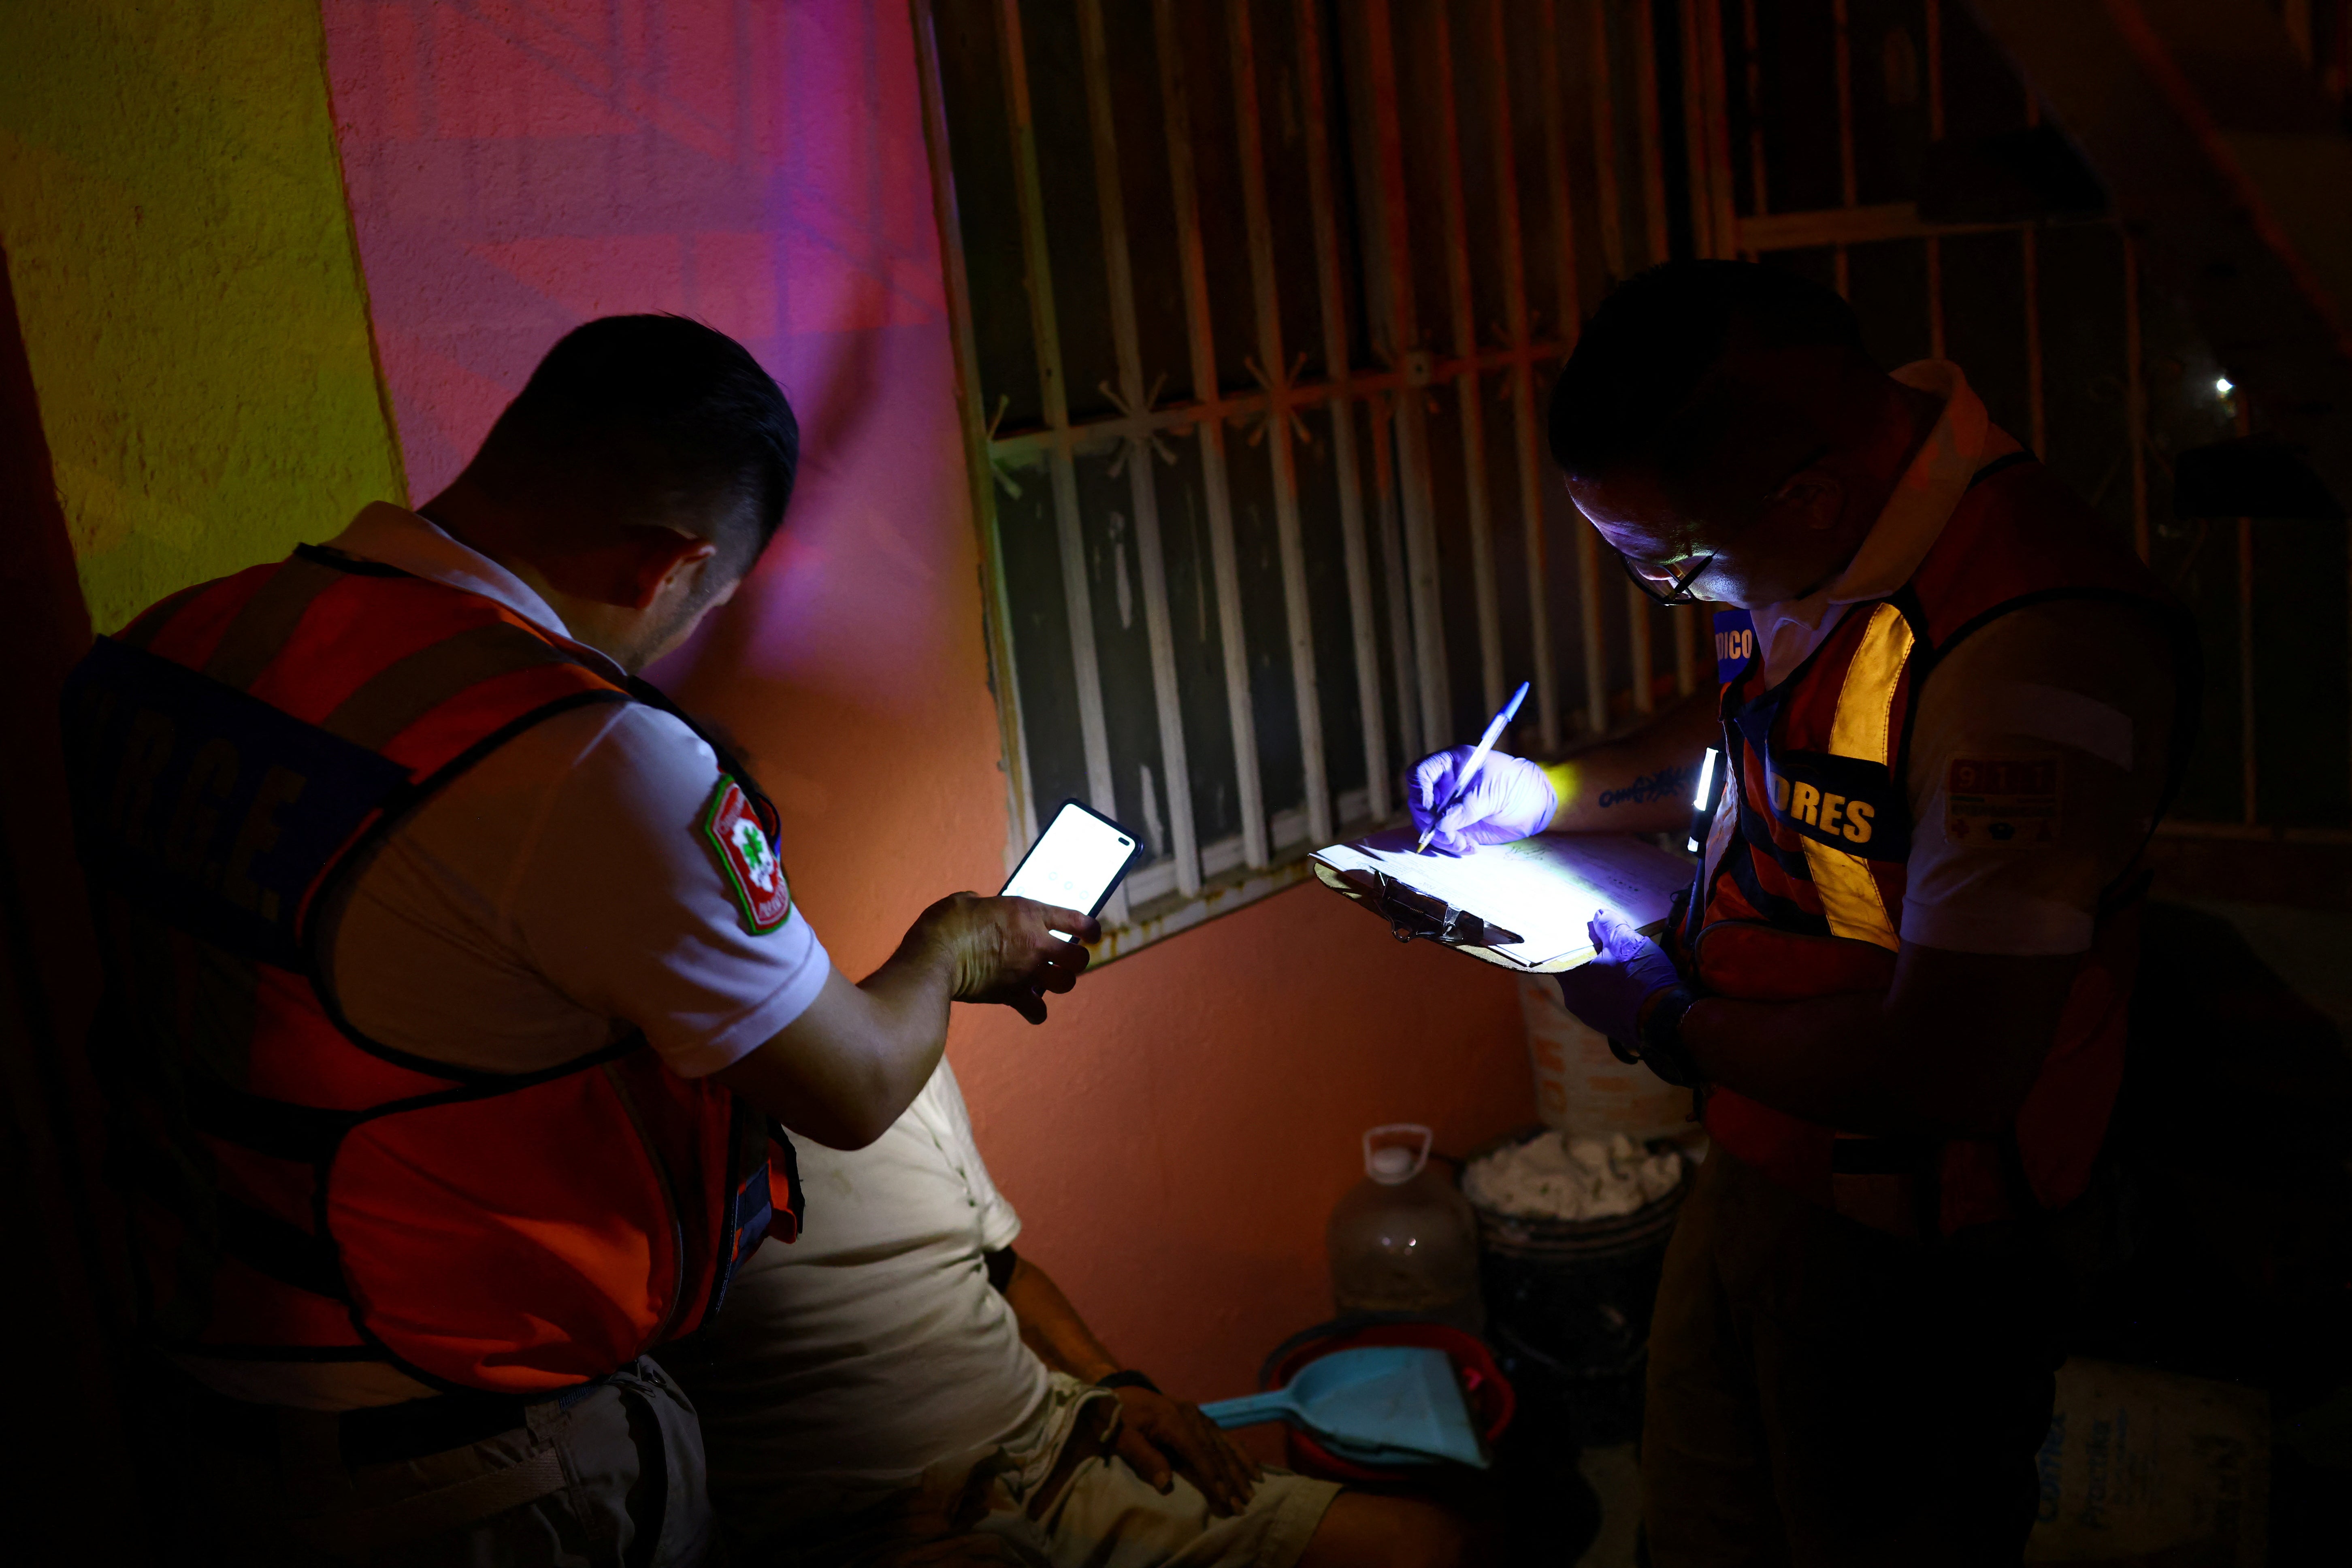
[[1580, 1086]]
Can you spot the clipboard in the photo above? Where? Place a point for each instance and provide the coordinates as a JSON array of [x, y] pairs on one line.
[[1521, 907]]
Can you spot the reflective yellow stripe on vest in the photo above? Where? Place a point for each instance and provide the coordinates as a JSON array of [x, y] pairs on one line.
[[1862, 729]]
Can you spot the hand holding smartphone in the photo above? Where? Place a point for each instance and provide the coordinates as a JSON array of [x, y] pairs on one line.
[[1075, 862]]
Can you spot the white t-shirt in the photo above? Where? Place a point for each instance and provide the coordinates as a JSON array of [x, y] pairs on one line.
[[874, 1345], [561, 890], [544, 902], [557, 894], [2084, 685]]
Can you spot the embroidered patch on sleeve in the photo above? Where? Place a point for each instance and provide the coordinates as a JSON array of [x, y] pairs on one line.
[[754, 874], [2001, 803]]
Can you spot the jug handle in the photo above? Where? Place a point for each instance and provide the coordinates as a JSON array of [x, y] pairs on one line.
[[1414, 1128]]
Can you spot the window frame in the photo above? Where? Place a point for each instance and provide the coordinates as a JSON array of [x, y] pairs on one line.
[[1404, 684]]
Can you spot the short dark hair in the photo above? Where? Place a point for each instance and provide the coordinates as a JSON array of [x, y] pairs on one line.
[[654, 406], [1641, 363]]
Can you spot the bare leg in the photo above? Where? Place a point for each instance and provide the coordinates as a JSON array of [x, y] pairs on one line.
[[1362, 1531]]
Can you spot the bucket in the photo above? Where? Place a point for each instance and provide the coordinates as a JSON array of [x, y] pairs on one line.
[[1580, 1086], [1568, 1305]]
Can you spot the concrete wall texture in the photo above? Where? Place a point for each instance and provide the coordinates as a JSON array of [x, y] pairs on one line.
[[1177, 1134], [192, 304]]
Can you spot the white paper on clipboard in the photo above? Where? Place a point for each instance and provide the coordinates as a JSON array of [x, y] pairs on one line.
[[1542, 889]]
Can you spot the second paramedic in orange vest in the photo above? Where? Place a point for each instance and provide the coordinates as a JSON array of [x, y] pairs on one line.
[[1947, 713], [455, 988]]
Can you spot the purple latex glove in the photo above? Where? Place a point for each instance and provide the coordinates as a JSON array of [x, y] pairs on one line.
[[1608, 993], [1510, 799]]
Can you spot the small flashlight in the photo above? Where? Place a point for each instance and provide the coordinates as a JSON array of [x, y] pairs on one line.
[[1703, 801]]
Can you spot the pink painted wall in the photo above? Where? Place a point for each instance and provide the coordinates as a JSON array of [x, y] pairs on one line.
[[1176, 1136]]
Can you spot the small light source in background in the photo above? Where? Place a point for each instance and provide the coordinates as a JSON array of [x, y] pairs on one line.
[[2221, 387], [1702, 801]]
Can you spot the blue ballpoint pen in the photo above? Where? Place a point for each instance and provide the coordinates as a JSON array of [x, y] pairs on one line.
[[1469, 775]]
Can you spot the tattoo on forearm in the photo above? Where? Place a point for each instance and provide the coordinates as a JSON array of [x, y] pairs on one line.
[[1648, 787]]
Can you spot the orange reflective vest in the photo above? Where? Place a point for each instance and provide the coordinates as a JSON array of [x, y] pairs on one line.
[[1806, 900], [294, 1190]]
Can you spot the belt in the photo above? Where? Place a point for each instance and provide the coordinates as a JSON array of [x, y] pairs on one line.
[[387, 1434], [377, 1435], [1892, 1185], [1852, 1155]]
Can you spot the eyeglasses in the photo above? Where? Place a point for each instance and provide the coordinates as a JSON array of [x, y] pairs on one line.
[[1665, 583], [1668, 583]]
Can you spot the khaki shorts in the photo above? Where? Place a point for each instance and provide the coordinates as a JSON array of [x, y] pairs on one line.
[[1053, 1493], [1104, 1515]]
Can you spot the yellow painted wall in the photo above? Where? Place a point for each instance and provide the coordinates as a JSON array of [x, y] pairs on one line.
[[173, 218]]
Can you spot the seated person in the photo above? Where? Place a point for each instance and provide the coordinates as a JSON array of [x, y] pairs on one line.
[[898, 1386]]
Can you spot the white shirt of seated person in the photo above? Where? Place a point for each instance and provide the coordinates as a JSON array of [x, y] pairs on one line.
[[874, 1346]]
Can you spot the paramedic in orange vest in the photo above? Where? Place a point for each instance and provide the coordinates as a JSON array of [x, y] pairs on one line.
[[1946, 720], [455, 991]]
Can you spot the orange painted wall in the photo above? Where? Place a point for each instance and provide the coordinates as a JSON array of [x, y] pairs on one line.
[[1175, 1137]]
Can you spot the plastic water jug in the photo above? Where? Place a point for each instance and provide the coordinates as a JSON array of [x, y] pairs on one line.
[[1403, 1239]]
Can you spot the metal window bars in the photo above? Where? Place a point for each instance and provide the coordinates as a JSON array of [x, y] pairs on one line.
[[1335, 570], [1306, 251], [1728, 36]]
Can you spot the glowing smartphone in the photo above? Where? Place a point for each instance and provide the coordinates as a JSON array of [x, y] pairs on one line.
[[1075, 862]]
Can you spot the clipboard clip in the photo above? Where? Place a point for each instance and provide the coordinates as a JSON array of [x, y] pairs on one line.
[[1413, 913]]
